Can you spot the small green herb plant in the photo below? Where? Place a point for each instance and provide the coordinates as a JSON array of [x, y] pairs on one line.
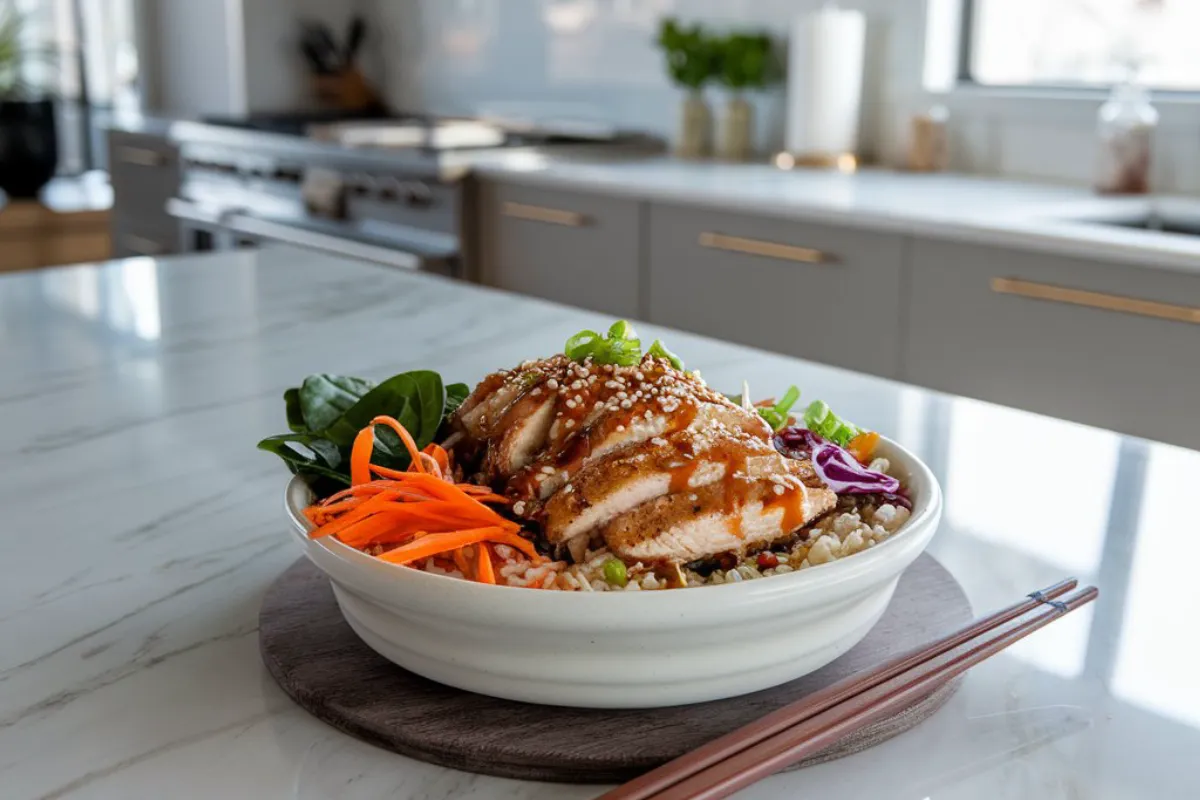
[[746, 61], [692, 54], [17, 56]]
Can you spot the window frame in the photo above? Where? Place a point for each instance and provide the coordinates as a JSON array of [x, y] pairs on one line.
[[965, 79]]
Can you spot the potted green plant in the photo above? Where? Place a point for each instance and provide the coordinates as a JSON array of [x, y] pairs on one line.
[[28, 133], [746, 62], [692, 63]]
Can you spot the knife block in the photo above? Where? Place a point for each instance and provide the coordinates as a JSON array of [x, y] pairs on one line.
[[347, 90]]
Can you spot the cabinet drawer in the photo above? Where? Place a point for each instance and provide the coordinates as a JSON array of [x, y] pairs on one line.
[[144, 171], [820, 292], [132, 237], [1112, 345], [570, 247]]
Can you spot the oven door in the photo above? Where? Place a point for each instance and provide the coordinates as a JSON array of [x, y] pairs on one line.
[[206, 229]]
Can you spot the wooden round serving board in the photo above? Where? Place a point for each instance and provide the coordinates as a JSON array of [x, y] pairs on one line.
[[318, 660]]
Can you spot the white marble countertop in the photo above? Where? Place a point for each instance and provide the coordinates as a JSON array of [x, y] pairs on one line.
[[993, 211], [141, 529]]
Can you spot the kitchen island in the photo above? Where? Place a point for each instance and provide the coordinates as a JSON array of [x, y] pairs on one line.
[[142, 528]]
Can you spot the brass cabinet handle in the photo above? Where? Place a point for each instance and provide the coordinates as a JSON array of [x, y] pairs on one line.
[[141, 245], [758, 247], [1100, 300], [141, 156], [553, 216]]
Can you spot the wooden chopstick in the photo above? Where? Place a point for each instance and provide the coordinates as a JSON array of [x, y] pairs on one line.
[[657, 780], [818, 732]]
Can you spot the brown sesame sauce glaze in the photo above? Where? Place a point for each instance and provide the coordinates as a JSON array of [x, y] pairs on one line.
[[649, 401]]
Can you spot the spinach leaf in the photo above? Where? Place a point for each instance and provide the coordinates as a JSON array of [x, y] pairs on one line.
[[456, 395], [295, 417], [415, 399], [327, 412], [300, 462], [325, 398]]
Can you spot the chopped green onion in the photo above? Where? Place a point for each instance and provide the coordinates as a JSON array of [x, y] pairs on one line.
[[777, 415], [615, 573], [659, 350], [582, 345], [623, 352], [820, 419], [621, 329], [621, 347]]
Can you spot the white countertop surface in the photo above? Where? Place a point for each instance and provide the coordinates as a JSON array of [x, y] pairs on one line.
[[993, 211], [141, 529]]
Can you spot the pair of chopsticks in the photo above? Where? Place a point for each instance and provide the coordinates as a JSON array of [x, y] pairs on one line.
[[811, 724]]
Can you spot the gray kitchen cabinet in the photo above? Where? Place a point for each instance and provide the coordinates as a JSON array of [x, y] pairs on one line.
[[1107, 344], [571, 247], [817, 291], [145, 173]]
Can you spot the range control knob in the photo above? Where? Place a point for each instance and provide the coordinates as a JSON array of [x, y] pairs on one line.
[[417, 194]]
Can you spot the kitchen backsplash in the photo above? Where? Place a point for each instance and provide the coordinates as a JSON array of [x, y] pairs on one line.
[[597, 59], [581, 58]]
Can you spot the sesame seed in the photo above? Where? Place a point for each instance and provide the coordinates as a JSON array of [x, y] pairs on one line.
[[693, 497], [577, 385], [548, 470], [536, 392], [570, 404], [568, 489], [620, 429], [639, 375], [579, 399], [566, 476], [779, 489], [569, 424], [623, 395], [626, 404], [519, 507], [552, 384]]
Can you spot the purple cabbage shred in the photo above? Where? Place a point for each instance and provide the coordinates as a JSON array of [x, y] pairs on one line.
[[840, 471]]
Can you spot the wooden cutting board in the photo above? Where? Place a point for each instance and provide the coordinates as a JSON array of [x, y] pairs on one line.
[[318, 660]]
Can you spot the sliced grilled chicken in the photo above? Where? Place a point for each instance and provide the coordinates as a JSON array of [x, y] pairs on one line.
[[683, 462], [521, 434], [721, 517], [481, 415]]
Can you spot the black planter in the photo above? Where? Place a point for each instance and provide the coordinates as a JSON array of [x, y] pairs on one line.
[[28, 146]]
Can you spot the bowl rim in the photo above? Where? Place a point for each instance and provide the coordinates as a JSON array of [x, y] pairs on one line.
[[925, 514]]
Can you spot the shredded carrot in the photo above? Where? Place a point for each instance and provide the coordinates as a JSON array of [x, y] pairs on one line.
[[420, 513], [485, 572]]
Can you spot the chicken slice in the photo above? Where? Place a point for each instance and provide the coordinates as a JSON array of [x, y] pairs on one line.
[[722, 517], [482, 414], [624, 480], [616, 431], [523, 433]]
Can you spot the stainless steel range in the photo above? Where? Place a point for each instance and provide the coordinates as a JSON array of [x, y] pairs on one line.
[[387, 191]]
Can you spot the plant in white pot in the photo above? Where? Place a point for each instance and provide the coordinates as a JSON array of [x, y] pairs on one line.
[[28, 133], [746, 62], [692, 63]]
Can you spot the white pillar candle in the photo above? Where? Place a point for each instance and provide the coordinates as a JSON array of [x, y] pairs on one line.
[[824, 92]]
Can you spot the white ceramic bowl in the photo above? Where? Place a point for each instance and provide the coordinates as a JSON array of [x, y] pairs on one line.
[[623, 649]]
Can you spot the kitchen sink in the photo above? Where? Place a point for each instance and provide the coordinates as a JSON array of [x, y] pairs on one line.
[[1159, 216]]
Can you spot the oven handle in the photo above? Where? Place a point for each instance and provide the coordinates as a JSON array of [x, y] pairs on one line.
[[294, 235]]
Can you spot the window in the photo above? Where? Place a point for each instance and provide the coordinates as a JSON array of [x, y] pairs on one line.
[[1072, 43], [91, 68]]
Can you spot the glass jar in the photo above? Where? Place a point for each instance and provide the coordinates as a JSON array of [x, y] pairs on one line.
[[1126, 128]]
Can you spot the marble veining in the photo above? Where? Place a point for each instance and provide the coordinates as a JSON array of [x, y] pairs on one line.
[[141, 528]]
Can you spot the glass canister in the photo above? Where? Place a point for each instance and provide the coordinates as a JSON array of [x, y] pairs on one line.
[[1126, 128]]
